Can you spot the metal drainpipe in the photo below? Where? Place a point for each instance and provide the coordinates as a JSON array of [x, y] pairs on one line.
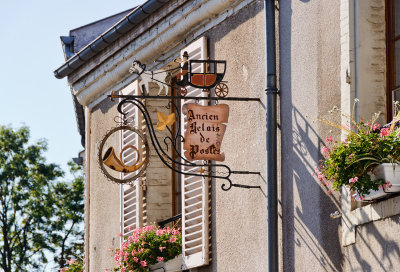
[[271, 136], [356, 62]]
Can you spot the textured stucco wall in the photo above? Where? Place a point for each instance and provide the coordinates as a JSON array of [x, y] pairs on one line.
[[104, 203], [238, 219], [310, 86], [376, 248]]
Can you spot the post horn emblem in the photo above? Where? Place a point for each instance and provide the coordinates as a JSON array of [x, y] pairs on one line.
[[113, 162]]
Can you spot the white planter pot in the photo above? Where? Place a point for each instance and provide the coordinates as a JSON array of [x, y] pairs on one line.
[[173, 265], [387, 172]]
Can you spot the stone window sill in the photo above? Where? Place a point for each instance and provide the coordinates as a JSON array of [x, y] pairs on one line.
[[369, 213]]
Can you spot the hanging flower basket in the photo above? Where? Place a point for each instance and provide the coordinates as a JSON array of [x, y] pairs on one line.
[[173, 265], [389, 173]]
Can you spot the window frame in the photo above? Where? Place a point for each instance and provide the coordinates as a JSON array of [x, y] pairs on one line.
[[390, 57]]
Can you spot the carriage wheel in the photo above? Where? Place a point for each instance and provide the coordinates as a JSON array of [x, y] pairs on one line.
[[182, 91], [221, 90]]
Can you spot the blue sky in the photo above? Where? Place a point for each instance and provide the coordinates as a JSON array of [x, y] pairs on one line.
[[30, 50]]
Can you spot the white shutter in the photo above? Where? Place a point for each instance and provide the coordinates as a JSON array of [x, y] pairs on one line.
[[131, 194], [195, 190]]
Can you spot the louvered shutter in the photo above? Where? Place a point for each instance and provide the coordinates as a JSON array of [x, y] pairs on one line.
[[195, 190], [131, 194]]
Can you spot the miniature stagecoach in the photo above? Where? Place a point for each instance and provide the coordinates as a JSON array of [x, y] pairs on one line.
[[212, 75]]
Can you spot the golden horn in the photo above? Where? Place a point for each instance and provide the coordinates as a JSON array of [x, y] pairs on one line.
[[112, 161]]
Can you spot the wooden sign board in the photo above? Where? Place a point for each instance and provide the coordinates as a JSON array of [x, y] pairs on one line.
[[204, 131]]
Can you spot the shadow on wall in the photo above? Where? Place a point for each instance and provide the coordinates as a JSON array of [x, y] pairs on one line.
[[376, 248], [307, 227], [310, 238]]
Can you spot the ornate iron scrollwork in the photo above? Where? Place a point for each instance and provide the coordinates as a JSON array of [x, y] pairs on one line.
[[178, 165]]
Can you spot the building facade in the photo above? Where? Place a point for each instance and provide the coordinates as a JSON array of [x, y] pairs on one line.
[[328, 54]]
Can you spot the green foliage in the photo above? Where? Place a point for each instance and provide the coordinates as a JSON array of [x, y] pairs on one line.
[[350, 163], [38, 212], [68, 212], [147, 246], [24, 193]]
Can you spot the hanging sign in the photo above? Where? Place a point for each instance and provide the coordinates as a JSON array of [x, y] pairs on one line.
[[204, 131]]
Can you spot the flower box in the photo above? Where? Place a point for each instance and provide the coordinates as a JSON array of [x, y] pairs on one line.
[[364, 161], [173, 265], [388, 172], [150, 245]]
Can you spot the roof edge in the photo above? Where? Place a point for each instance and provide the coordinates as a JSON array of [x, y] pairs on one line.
[[127, 23]]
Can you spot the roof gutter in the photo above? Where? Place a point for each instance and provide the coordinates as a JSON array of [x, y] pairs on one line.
[[126, 24], [95, 85]]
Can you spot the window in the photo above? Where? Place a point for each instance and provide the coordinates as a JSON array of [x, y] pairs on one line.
[[161, 193], [370, 68], [393, 54]]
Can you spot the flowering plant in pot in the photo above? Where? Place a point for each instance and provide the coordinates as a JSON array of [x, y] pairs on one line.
[[147, 246], [353, 162]]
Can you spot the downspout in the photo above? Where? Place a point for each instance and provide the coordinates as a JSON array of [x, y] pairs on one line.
[[271, 136], [356, 63]]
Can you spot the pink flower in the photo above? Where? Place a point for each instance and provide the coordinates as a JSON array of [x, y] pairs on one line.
[[160, 259], [143, 263], [384, 132], [161, 248], [71, 261], [120, 234], [387, 185], [325, 150], [135, 259], [376, 126], [353, 180], [329, 139], [172, 239]]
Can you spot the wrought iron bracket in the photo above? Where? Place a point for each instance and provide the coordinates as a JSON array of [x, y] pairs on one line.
[[113, 96], [179, 163]]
